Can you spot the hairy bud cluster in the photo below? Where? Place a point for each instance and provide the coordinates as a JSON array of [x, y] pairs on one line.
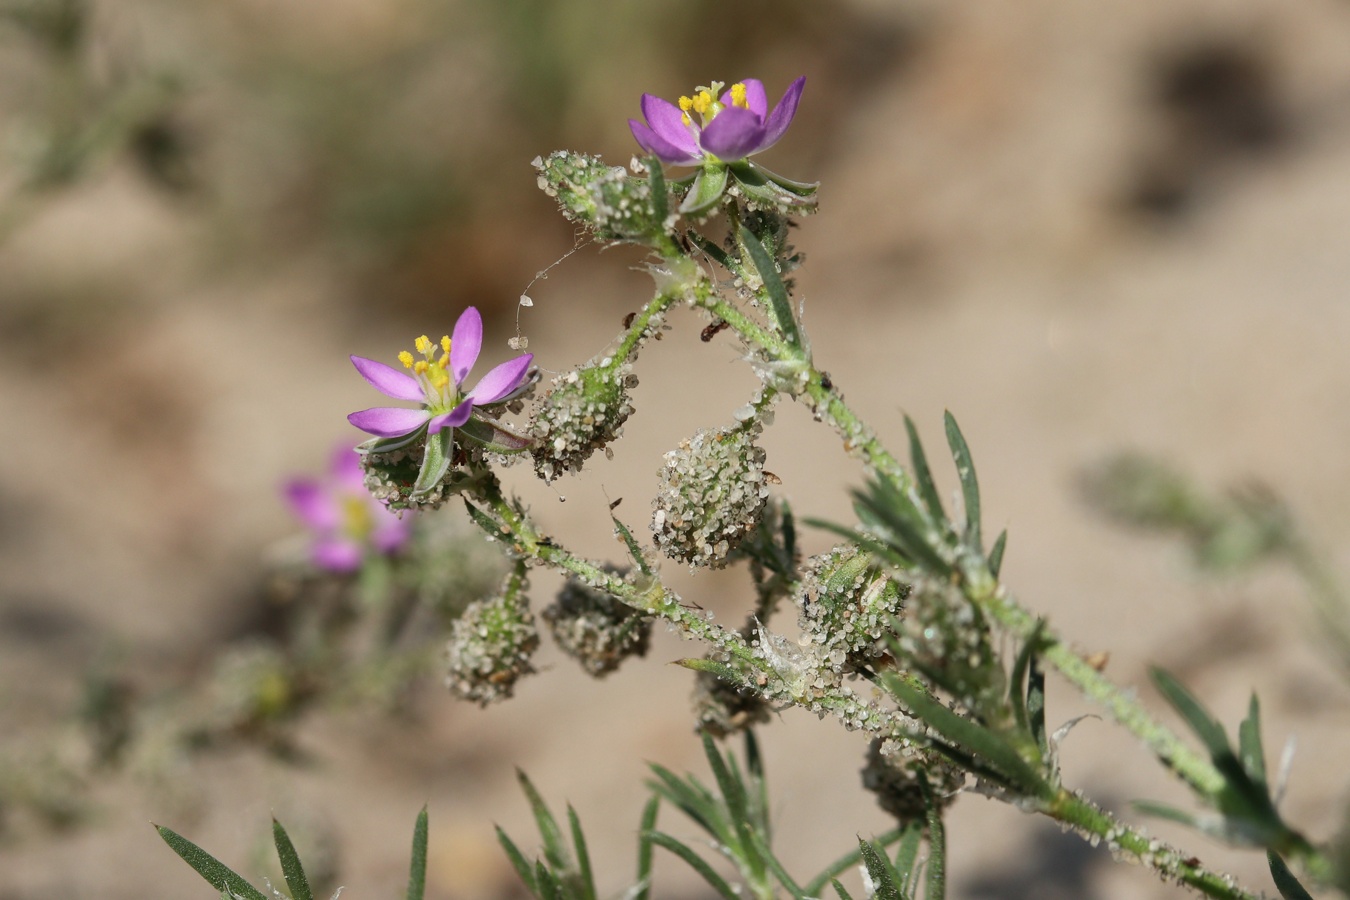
[[614, 204], [847, 606], [491, 645], [713, 491], [721, 709], [900, 776], [583, 412], [596, 629], [944, 632], [390, 478]]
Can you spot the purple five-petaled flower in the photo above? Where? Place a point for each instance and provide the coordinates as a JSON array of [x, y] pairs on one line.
[[702, 129], [346, 520], [437, 383]]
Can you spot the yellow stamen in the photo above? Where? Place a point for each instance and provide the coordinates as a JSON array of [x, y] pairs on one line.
[[420, 367], [406, 358], [445, 361], [686, 104], [445, 343], [423, 345], [702, 102], [738, 97]]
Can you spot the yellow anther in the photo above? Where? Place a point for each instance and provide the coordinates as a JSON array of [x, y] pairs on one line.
[[445, 343], [420, 367], [686, 104], [445, 361], [702, 102], [738, 97], [423, 345], [406, 358]]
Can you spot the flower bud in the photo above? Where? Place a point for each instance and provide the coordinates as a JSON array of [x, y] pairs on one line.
[[491, 644], [390, 477], [900, 775], [847, 606], [713, 491], [596, 629], [584, 411], [614, 204]]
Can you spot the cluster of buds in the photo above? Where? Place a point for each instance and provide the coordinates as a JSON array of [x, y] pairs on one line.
[[907, 779], [848, 606], [712, 495], [722, 708], [584, 411], [595, 629], [943, 632], [492, 643], [614, 204]]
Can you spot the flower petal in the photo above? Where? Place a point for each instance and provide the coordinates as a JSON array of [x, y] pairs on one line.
[[311, 503], [345, 469], [389, 421], [465, 344], [390, 532], [754, 97], [778, 121], [663, 149], [453, 419], [667, 122], [501, 380], [336, 554], [733, 135], [388, 380]]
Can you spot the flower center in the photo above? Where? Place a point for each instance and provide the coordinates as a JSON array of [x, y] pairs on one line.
[[707, 106], [357, 522], [433, 373]]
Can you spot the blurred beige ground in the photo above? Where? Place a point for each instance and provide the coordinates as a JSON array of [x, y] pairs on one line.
[[1080, 228]]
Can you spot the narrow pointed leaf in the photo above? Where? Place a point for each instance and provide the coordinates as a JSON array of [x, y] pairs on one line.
[[697, 863], [970, 486], [634, 548], [839, 889], [644, 867], [291, 869], [848, 861], [1285, 882], [733, 792], [996, 554], [388, 445], [1205, 727], [936, 881], [1249, 744], [1020, 688], [518, 861], [217, 874], [884, 877], [1036, 705], [779, 302], [584, 876], [774, 865], [1163, 811], [417, 865], [555, 851], [923, 475], [907, 855]]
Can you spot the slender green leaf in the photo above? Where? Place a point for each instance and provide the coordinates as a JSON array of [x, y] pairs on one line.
[[584, 875], [923, 475], [634, 548], [555, 851], [291, 869], [694, 800], [1026, 693], [996, 554], [550, 885], [1163, 811], [417, 866], [1036, 705], [970, 486], [518, 861], [885, 880], [644, 868], [716, 253], [847, 861], [1205, 727], [733, 796], [217, 874], [936, 882], [1249, 745], [774, 865], [754, 766], [839, 889], [779, 302], [907, 854], [709, 186], [1285, 882], [439, 452], [695, 862], [969, 736]]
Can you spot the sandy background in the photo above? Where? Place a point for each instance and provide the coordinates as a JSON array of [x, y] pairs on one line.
[[1080, 228]]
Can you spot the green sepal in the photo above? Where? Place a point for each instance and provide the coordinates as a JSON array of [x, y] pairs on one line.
[[390, 444], [709, 185], [217, 874], [417, 867], [291, 869], [766, 194], [436, 460], [800, 188], [494, 435]]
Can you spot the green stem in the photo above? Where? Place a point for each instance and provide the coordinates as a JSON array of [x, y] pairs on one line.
[[1095, 824]]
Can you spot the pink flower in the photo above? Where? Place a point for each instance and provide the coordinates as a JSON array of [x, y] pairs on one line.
[[346, 521], [727, 129]]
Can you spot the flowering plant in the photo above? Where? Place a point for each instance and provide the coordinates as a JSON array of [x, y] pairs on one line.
[[346, 522]]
